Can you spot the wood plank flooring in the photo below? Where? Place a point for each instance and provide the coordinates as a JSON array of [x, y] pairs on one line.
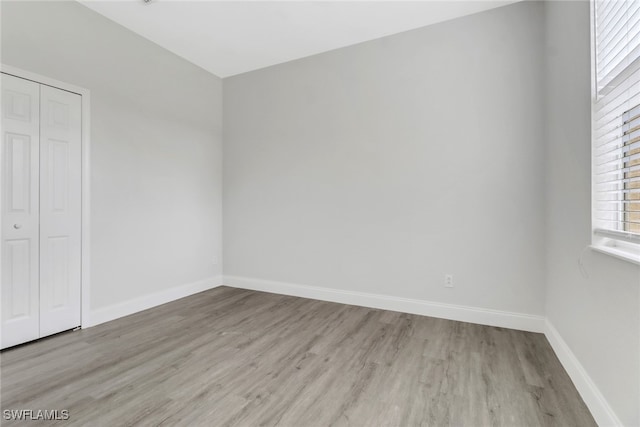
[[232, 357]]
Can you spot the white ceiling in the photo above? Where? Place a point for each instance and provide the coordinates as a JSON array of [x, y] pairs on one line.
[[233, 37]]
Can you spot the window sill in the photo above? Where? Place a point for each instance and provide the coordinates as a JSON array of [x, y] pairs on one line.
[[624, 253]]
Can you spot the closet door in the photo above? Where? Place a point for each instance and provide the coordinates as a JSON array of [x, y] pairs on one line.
[[60, 191], [20, 234]]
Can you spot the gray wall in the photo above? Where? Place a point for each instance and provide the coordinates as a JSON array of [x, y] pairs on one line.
[[382, 166], [155, 146], [596, 311]]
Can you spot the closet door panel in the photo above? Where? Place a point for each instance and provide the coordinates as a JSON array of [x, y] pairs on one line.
[[60, 210], [20, 207]]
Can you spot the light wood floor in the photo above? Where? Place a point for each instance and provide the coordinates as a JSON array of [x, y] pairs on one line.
[[234, 357]]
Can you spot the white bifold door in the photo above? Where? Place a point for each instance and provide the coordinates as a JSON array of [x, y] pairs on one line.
[[41, 210]]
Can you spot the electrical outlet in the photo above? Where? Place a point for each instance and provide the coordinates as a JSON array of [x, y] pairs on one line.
[[448, 280], [215, 260]]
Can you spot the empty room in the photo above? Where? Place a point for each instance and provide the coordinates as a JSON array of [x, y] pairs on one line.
[[320, 213]]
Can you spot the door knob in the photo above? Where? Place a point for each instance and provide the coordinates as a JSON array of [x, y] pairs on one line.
[[17, 226]]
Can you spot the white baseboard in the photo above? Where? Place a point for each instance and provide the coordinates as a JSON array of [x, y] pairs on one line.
[[126, 308], [593, 398], [482, 316]]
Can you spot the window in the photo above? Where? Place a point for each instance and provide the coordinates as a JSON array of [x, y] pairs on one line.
[[631, 140], [616, 127]]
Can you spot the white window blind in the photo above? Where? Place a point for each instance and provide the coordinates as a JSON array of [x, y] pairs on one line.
[[617, 38], [616, 115]]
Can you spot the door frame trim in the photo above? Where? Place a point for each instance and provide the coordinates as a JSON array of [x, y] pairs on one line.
[[85, 196]]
